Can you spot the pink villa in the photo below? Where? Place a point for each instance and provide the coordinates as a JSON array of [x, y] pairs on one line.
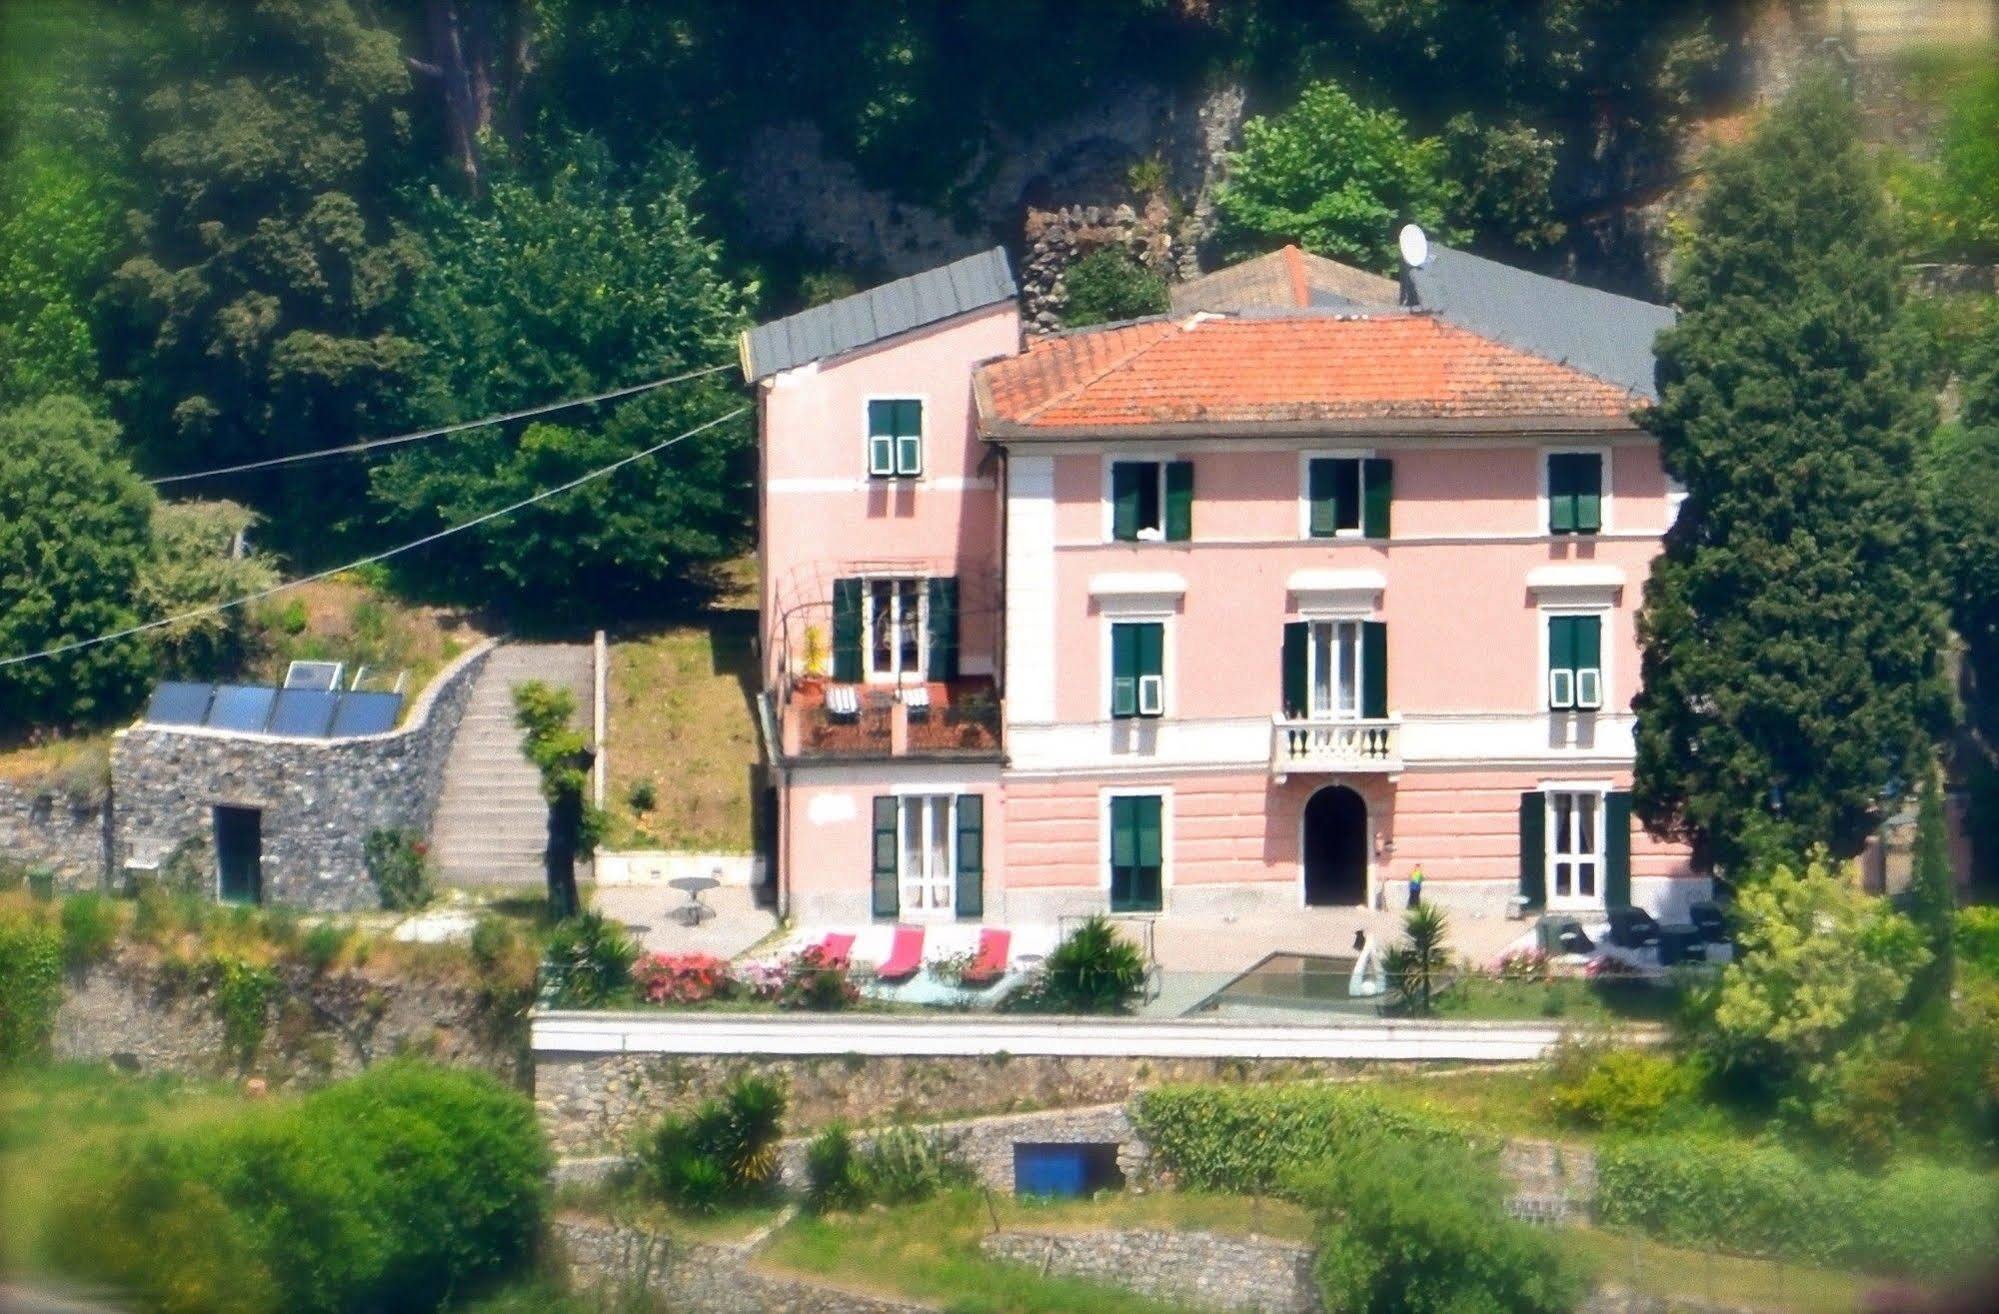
[[1317, 582]]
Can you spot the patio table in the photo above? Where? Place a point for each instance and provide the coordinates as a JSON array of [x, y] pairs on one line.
[[694, 912]]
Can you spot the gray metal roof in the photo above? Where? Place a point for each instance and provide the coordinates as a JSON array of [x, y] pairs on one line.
[[880, 312], [1599, 333]]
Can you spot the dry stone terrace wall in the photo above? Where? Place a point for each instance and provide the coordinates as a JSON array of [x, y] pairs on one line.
[[319, 798], [42, 825], [1252, 1274]]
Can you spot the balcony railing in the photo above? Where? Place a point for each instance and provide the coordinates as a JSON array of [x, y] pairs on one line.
[[1374, 745], [960, 718]]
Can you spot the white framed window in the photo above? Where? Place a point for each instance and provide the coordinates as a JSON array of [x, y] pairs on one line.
[[1575, 848], [1333, 670], [1148, 499], [894, 627], [1138, 668], [926, 854], [895, 437], [1573, 657]]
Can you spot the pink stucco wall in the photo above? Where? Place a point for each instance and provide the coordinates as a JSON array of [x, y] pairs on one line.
[[822, 517]]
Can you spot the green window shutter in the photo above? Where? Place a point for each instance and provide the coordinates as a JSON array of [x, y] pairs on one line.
[[1124, 670], [908, 437], [1151, 853], [1377, 479], [1561, 495], [1373, 669], [1150, 665], [1561, 643], [847, 630], [1617, 849], [1588, 488], [881, 439], [1297, 641], [971, 812], [1534, 849], [1179, 501], [1322, 497], [943, 633], [1587, 641], [1124, 851], [887, 899], [1128, 479]]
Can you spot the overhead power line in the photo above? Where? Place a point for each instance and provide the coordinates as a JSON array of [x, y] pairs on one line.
[[441, 430], [215, 607]]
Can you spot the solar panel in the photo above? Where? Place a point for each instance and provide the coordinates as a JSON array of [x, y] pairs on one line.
[[242, 707], [313, 675], [366, 714], [176, 702], [304, 713]]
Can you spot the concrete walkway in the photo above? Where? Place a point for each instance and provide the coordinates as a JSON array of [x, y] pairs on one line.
[[653, 914]]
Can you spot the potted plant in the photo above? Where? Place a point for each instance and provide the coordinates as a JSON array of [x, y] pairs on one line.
[[815, 658]]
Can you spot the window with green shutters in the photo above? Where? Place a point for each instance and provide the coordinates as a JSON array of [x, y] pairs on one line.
[[1137, 852], [1348, 496], [1575, 492], [895, 438], [1575, 663], [1575, 848], [1152, 501], [847, 630], [1138, 669], [929, 855], [1336, 670]]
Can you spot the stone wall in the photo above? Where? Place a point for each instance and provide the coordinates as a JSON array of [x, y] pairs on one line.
[[1255, 1274], [142, 1017], [46, 825], [592, 1103], [319, 798], [986, 1144], [701, 1277], [1056, 239]]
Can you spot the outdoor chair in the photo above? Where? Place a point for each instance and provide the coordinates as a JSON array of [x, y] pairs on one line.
[[1633, 928], [991, 963], [1570, 938], [834, 950], [905, 955], [843, 702], [1710, 921], [916, 699]]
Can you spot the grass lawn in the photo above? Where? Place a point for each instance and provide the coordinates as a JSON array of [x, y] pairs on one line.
[[1625, 1260], [1487, 998], [681, 722], [1512, 1100], [347, 619], [931, 1252], [1176, 1211]]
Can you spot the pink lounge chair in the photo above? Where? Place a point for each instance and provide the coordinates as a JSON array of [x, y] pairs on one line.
[[905, 955], [990, 965], [834, 949]]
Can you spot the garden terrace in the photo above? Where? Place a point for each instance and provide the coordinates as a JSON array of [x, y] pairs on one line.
[[940, 718]]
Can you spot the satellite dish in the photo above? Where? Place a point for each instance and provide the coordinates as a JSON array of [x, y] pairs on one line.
[[1415, 246]]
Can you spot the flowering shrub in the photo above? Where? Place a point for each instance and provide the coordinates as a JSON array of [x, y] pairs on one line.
[[1523, 965], [810, 981], [681, 978], [763, 980], [1608, 970]]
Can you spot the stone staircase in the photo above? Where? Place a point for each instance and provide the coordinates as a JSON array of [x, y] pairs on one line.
[[492, 822]]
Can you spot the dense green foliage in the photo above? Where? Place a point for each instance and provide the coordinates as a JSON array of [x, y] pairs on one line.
[[1932, 901], [1622, 1090], [75, 538], [399, 864], [1249, 1139], [1093, 970], [1421, 1227], [392, 1191], [1964, 486], [1108, 284], [722, 1152], [562, 754], [1918, 1217], [1418, 961], [1970, 167], [31, 965], [1791, 632], [900, 1165], [193, 565], [1336, 177], [588, 962]]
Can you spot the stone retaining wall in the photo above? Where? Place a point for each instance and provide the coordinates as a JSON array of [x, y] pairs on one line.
[[319, 798], [142, 1018], [1256, 1274], [986, 1144], [701, 1277], [592, 1103], [44, 824]]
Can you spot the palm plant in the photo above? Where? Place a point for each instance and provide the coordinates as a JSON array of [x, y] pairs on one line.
[[1416, 965]]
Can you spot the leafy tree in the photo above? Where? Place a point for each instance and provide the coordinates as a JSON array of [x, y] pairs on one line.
[[195, 563], [1791, 634], [1970, 160], [1933, 895], [1506, 177], [1337, 178], [562, 754], [75, 536], [1107, 285], [1964, 484], [563, 290], [260, 316]]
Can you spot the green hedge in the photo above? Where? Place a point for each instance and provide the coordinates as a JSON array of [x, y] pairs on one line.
[[1918, 1217], [1250, 1138], [31, 953], [391, 1192]]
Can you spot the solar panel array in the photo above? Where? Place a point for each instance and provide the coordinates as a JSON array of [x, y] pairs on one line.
[[255, 709]]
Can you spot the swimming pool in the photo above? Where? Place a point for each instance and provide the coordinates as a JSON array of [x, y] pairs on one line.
[[1307, 982]]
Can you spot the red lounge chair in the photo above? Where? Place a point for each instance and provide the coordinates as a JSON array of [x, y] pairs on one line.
[[905, 956], [833, 950], [990, 965]]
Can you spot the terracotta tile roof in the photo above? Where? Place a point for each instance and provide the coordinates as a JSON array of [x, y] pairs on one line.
[[1288, 278], [1289, 369]]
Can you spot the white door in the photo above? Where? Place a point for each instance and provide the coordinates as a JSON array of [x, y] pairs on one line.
[[1334, 655], [1575, 850], [927, 866]]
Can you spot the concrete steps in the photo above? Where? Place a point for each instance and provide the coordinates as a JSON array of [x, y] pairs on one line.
[[492, 822]]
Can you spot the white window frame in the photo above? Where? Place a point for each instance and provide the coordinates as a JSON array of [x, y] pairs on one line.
[[1159, 461], [1137, 611], [897, 674], [1164, 793], [1305, 459], [1676, 500], [928, 801], [1545, 503], [1545, 695], [1336, 624], [1598, 796], [922, 401]]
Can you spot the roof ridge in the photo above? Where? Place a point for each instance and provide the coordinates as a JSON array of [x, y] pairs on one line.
[[1294, 264], [1081, 385]]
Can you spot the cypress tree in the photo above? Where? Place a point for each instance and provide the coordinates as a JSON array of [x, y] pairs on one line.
[[1792, 629], [1932, 898]]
